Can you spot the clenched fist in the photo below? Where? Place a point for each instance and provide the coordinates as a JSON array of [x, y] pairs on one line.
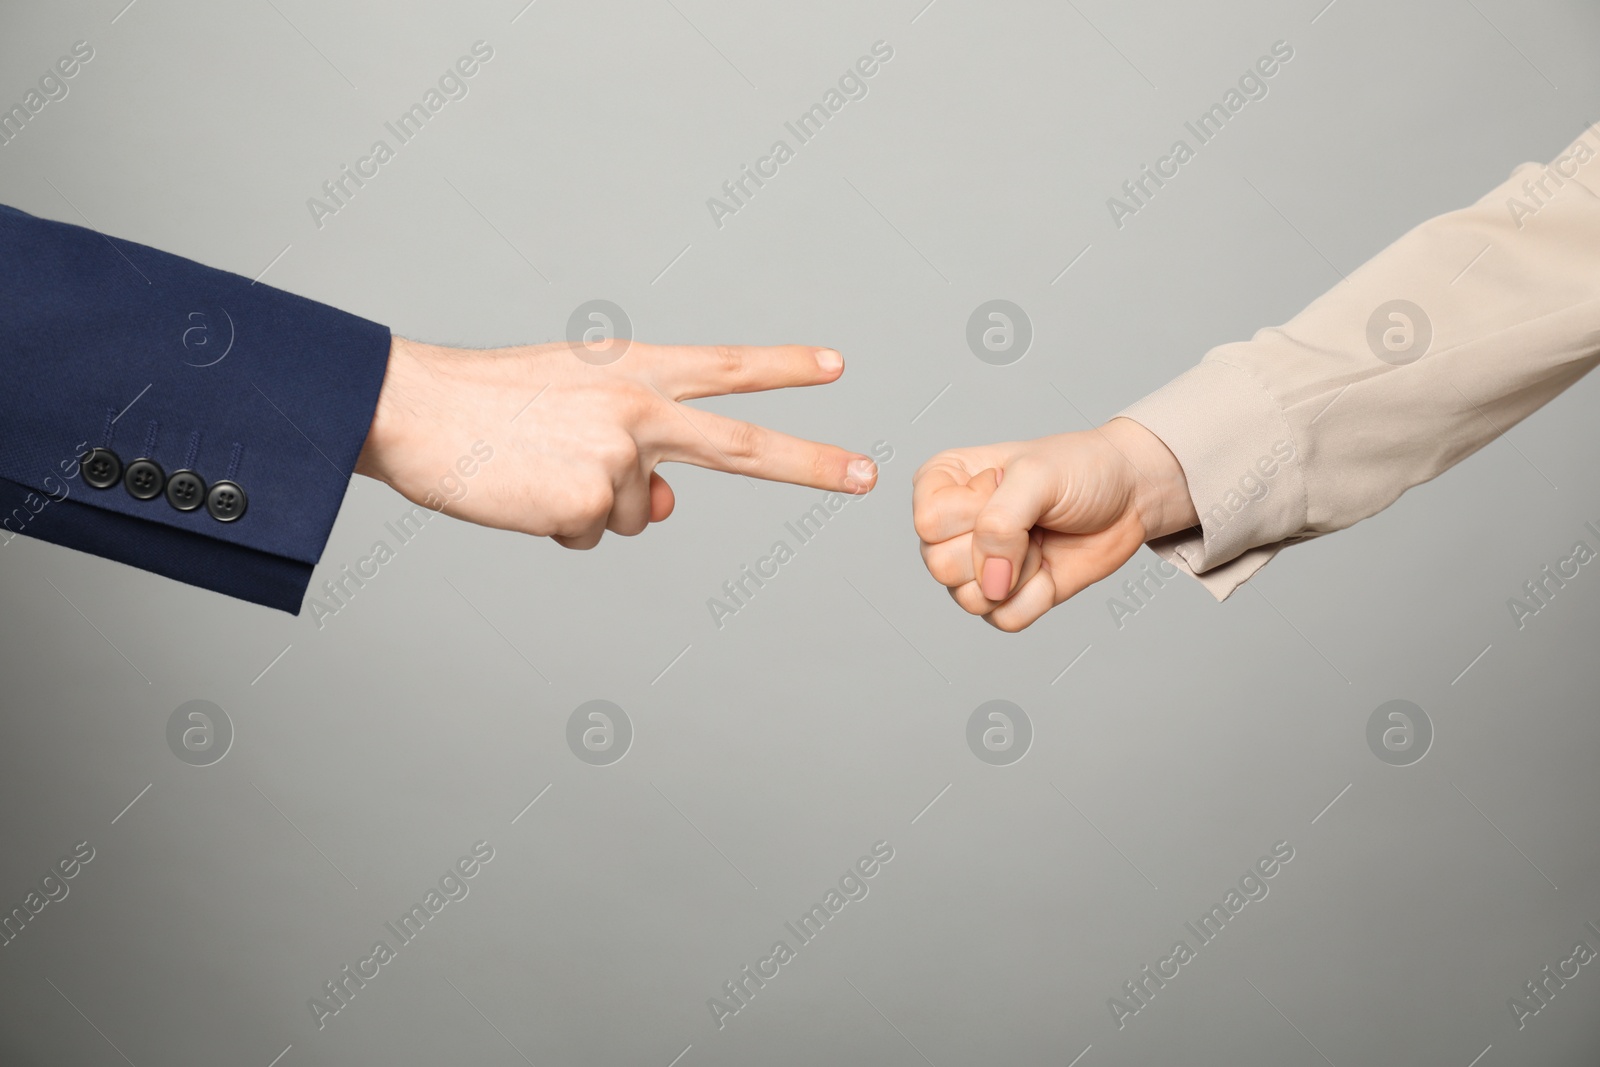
[[1015, 529]]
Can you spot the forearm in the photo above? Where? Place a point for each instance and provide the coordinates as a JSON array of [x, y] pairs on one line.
[[1313, 426]]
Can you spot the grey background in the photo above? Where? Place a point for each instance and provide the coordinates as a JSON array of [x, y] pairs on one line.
[[826, 715]]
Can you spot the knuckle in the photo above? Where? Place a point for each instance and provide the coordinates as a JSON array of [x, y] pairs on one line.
[[941, 459], [618, 454], [945, 564], [582, 542], [640, 406], [744, 442], [590, 505], [730, 359], [994, 524], [970, 600], [639, 403], [925, 516], [630, 516], [1007, 623]]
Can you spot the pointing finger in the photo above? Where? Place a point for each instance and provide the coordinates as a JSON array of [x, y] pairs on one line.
[[685, 372]]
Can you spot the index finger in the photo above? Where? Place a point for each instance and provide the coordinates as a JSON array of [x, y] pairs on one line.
[[687, 372], [717, 442], [951, 488]]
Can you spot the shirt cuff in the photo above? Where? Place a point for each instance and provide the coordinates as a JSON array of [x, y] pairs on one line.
[[1243, 467]]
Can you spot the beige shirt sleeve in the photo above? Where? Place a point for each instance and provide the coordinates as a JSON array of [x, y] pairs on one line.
[[1441, 342]]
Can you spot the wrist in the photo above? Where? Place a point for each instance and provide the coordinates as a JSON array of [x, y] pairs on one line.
[[1160, 489], [394, 412]]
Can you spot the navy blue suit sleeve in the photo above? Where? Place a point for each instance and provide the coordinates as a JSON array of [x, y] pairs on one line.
[[108, 344]]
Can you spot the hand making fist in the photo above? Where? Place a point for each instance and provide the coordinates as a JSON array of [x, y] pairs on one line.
[[1015, 529]]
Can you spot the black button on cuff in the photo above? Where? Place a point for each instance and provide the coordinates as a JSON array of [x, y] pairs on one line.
[[226, 501], [102, 469], [186, 490], [144, 479]]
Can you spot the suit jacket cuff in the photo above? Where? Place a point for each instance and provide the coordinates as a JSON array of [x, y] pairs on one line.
[[116, 345]]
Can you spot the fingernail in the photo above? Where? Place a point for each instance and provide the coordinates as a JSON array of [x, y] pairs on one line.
[[829, 360], [859, 475], [996, 581]]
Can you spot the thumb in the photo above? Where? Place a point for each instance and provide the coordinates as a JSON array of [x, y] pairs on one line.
[[1000, 534]]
